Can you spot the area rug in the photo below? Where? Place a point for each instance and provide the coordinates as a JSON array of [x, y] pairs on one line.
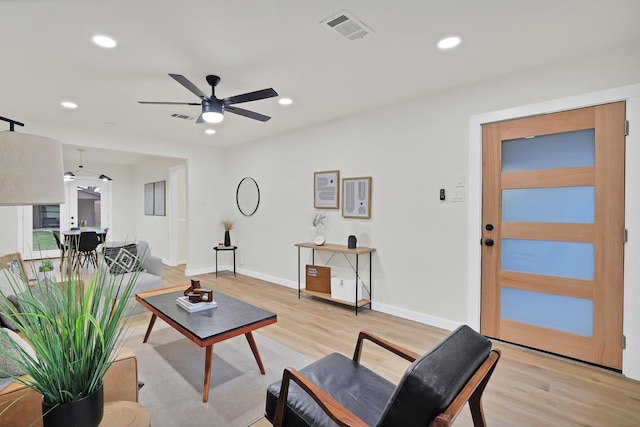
[[172, 368]]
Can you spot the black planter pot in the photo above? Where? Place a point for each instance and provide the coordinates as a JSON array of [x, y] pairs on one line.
[[85, 412], [227, 238]]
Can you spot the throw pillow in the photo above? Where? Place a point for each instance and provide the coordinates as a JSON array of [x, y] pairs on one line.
[[8, 283], [122, 259], [9, 353], [6, 316]]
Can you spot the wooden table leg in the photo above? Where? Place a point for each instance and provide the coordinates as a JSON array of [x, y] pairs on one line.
[[207, 372], [254, 349], [151, 323]]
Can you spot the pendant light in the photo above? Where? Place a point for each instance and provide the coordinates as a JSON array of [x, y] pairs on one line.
[[70, 176]]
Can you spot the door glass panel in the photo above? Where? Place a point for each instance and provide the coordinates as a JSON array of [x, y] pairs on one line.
[[45, 219], [568, 314], [560, 204], [89, 206], [560, 150], [563, 259]]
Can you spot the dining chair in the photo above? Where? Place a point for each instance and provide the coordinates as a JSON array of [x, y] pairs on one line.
[[86, 250], [64, 248]]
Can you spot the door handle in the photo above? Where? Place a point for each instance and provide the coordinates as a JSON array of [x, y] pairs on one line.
[[488, 242]]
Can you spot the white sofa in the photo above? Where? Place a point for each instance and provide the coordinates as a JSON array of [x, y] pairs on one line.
[[120, 259]]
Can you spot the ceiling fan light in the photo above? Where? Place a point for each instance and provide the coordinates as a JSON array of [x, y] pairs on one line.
[[212, 111], [212, 117]]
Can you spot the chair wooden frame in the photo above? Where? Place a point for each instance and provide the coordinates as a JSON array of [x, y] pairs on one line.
[[471, 392], [9, 260]]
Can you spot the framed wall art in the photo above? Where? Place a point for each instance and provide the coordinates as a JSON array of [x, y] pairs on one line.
[[159, 204], [154, 198], [148, 199], [326, 190], [356, 197]]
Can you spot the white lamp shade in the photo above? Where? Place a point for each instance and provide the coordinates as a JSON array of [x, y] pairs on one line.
[[31, 170]]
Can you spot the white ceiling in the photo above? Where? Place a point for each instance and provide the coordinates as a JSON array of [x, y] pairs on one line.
[[47, 56]]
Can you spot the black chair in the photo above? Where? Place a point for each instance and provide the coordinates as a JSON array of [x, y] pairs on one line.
[[62, 246], [86, 250], [432, 392]]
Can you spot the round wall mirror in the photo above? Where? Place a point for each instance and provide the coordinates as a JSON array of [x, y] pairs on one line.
[[248, 196]]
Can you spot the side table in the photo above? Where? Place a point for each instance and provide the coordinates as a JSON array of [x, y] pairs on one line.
[[226, 248], [125, 414]]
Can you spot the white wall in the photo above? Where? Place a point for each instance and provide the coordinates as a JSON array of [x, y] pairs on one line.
[[410, 150], [152, 228]]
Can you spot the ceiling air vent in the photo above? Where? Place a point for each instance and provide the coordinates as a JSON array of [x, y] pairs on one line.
[[347, 25], [182, 116]]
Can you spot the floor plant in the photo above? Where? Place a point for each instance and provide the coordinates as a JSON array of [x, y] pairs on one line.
[[75, 329]]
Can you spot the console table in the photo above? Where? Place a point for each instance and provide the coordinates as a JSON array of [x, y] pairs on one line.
[[329, 247]]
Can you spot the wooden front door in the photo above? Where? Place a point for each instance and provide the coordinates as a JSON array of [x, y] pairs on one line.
[[553, 232]]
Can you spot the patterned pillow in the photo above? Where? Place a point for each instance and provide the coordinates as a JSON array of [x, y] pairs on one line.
[[122, 259]]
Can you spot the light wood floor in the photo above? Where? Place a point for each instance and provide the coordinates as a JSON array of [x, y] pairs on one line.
[[528, 388]]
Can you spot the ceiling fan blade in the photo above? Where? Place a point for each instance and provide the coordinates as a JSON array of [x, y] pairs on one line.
[[200, 119], [169, 103], [193, 88], [246, 113], [250, 96]]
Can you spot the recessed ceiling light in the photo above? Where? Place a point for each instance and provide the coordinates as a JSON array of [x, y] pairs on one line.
[[104, 41], [449, 42], [210, 131], [285, 101], [69, 104]]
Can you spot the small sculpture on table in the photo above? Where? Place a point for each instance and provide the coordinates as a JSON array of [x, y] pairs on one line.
[[195, 293]]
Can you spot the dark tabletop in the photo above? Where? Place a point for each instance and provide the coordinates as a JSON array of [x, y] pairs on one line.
[[230, 314]]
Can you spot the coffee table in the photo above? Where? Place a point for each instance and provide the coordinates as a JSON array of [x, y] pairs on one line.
[[231, 318]]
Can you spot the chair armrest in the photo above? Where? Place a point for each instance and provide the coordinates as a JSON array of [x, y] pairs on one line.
[[338, 413], [121, 380], [472, 392], [153, 265], [396, 349]]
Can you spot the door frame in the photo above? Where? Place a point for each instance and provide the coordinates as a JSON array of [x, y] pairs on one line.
[[175, 190], [630, 94]]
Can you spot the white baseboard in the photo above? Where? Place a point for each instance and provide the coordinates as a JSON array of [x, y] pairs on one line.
[[438, 322], [267, 278], [196, 272], [377, 306]]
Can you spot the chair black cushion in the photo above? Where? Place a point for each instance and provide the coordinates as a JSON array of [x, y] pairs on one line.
[[360, 390], [432, 382]]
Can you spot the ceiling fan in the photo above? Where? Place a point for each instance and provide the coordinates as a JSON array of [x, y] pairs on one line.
[[213, 108]]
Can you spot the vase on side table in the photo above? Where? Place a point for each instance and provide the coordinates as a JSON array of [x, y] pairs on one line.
[[227, 238]]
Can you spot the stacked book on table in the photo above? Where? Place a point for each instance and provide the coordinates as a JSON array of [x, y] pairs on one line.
[[192, 307]]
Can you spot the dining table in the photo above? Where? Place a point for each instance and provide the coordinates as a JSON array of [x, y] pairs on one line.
[[71, 239], [75, 232]]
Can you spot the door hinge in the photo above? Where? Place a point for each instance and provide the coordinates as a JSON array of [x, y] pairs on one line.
[[626, 128], [624, 342], [626, 235]]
